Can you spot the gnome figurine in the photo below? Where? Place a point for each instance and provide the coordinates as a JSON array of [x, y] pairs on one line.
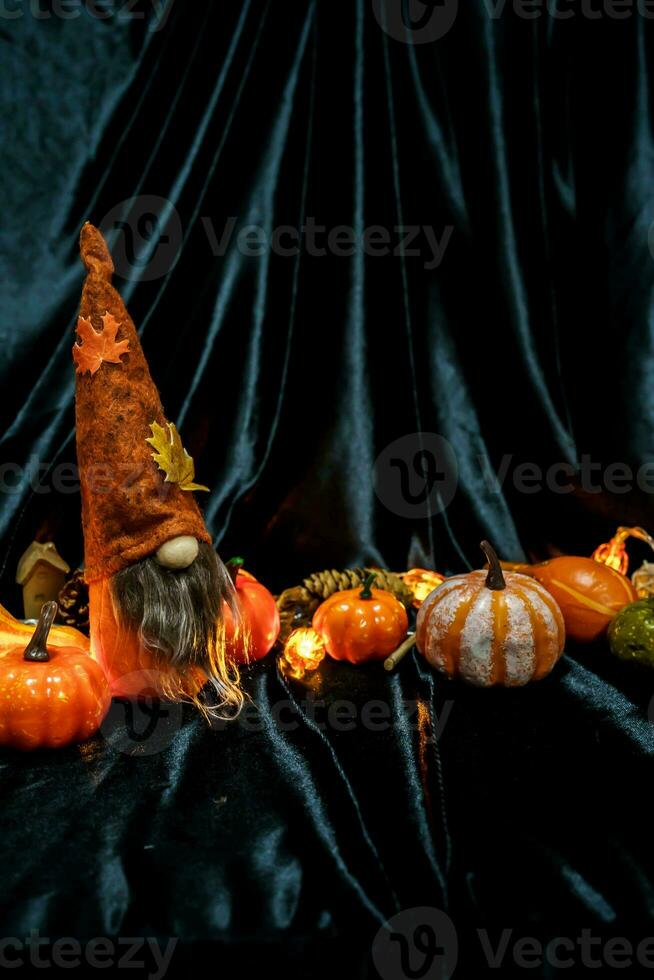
[[158, 592]]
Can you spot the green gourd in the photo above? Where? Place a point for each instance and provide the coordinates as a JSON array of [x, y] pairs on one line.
[[631, 632]]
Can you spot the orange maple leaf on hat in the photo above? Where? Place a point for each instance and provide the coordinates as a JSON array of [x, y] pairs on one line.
[[98, 346]]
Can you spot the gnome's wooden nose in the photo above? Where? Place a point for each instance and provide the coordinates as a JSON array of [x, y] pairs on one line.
[[179, 552]]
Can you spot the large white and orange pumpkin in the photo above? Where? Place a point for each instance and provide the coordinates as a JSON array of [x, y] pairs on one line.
[[488, 627]]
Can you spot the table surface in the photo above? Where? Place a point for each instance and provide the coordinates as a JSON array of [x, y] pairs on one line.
[[331, 806]]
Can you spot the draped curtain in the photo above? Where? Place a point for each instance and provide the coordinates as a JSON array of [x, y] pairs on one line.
[[515, 324]]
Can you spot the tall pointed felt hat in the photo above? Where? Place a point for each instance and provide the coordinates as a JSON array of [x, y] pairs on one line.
[[136, 479]]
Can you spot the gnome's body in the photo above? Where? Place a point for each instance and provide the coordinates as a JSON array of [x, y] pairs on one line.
[[158, 591]]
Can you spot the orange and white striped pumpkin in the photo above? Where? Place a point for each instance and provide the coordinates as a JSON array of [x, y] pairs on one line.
[[489, 627]]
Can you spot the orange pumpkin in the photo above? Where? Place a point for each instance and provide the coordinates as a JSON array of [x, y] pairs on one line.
[[588, 593], [487, 627], [132, 670], [361, 624], [50, 695], [260, 615], [13, 632]]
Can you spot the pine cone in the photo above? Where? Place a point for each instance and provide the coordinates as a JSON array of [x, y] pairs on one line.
[[324, 584], [392, 582], [74, 602]]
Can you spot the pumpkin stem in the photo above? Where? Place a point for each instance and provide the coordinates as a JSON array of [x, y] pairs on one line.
[[233, 567], [365, 591], [36, 650], [495, 578]]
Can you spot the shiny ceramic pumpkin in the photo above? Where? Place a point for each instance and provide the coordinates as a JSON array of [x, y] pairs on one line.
[[132, 670], [588, 593], [260, 616], [361, 624], [490, 627], [50, 695], [13, 633]]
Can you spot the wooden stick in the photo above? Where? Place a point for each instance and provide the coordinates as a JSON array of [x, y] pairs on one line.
[[394, 658]]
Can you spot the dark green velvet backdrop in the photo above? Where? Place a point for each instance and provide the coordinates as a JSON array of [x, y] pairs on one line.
[[523, 145]]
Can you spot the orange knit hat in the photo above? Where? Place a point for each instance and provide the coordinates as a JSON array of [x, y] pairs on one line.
[[132, 502]]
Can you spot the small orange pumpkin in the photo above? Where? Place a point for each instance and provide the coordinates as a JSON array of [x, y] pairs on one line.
[[50, 695], [361, 624], [260, 615], [13, 632], [490, 628], [588, 593]]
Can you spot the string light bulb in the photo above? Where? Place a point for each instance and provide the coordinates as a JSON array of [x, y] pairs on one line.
[[614, 552], [304, 651], [421, 582]]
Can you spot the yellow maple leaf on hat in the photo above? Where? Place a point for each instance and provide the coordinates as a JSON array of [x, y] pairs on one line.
[[171, 457]]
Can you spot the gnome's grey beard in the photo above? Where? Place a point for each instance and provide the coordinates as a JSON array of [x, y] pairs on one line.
[[178, 614]]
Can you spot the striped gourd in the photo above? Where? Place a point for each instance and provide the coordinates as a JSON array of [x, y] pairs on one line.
[[488, 627]]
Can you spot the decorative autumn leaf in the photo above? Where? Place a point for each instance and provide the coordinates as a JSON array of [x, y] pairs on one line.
[[96, 346], [172, 458]]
